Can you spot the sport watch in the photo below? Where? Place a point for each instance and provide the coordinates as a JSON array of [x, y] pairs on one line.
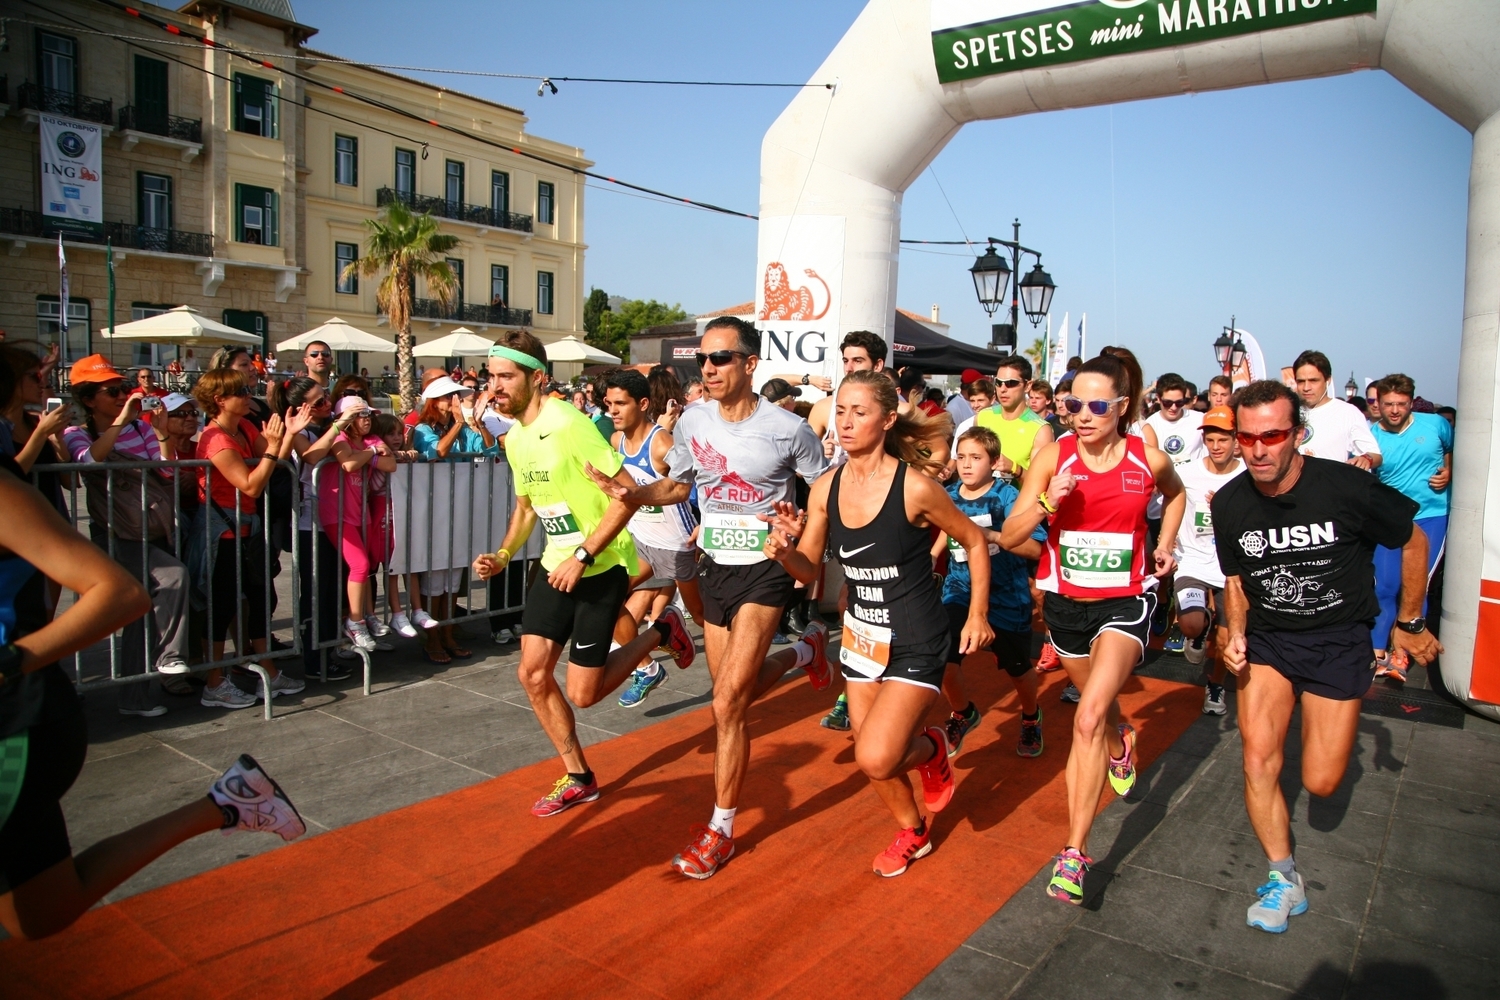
[[1416, 626], [582, 555]]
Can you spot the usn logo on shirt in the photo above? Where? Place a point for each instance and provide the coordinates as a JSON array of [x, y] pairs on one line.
[[1257, 543]]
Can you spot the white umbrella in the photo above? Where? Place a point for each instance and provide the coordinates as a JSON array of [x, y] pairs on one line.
[[570, 348], [340, 336], [461, 343], [184, 326]]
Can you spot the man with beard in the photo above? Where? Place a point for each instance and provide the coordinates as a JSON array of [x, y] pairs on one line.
[[588, 560]]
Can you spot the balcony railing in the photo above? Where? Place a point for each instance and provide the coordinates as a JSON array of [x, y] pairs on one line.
[[158, 123], [63, 102], [470, 313], [21, 222], [479, 215]]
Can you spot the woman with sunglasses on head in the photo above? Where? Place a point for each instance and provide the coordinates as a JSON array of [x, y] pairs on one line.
[[1099, 577], [242, 361]]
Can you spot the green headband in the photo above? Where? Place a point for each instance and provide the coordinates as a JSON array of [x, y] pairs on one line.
[[500, 351]]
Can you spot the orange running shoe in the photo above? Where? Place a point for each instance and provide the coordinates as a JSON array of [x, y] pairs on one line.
[[705, 854], [818, 671], [1049, 660], [906, 848], [937, 776]]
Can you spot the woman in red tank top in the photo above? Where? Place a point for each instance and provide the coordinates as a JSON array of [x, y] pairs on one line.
[[1098, 578]]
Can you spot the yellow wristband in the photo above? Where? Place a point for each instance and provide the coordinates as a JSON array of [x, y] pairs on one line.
[[1047, 506], [502, 551]]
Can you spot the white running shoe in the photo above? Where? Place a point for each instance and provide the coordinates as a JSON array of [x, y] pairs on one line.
[[403, 625], [1279, 899], [377, 627], [285, 683], [172, 667], [251, 800], [1196, 650], [422, 618], [1213, 700], [504, 637], [359, 635], [226, 695]]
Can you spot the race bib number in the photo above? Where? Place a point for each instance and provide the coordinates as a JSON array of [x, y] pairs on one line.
[[865, 648], [560, 524], [733, 539], [958, 553], [1203, 522], [1096, 559], [650, 515]]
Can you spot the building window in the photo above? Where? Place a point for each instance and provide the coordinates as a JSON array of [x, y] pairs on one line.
[[250, 321], [499, 192], [406, 172], [499, 285], [345, 254], [255, 106], [151, 95], [154, 201], [457, 267], [49, 329], [148, 355], [57, 62], [346, 160], [544, 281], [546, 203], [256, 214], [453, 184]]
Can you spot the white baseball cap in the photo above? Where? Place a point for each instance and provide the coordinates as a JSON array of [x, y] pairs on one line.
[[444, 386], [173, 400]]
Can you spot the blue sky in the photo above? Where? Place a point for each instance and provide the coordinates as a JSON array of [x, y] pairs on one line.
[[1326, 213]]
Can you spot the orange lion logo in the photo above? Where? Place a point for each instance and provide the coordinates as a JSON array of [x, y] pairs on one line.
[[784, 302]]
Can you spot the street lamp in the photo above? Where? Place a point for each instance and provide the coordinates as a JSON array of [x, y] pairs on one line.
[[1229, 349], [1351, 388], [991, 274]]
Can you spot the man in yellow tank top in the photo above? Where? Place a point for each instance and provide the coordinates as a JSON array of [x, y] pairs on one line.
[[1021, 432]]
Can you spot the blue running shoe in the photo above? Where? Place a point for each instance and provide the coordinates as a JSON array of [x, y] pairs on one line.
[[642, 684], [1176, 642], [1280, 898]]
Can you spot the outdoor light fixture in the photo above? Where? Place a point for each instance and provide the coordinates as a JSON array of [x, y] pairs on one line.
[[1229, 349], [1036, 293], [1237, 354], [991, 274], [1351, 387], [1222, 347], [546, 83]]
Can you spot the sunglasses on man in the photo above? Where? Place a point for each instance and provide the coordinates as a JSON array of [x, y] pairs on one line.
[[1267, 438], [1173, 404], [1010, 383], [719, 358], [1098, 407], [320, 354]]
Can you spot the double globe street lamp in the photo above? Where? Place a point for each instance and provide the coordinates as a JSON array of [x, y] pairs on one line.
[[1033, 292], [1229, 350]]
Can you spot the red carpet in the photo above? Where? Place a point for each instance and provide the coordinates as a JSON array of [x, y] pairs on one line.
[[467, 895]]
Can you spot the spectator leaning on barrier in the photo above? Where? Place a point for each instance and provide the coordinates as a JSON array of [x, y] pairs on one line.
[[112, 433], [233, 569]]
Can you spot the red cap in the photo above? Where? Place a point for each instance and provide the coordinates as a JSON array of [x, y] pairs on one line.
[[94, 368], [971, 375]]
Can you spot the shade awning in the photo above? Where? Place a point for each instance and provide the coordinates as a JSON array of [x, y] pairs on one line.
[[185, 326], [461, 343], [570, 348], [340, 336], [934, 354]]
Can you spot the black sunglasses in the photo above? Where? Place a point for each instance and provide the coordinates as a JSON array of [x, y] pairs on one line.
[[1173, 404], [719, 358], [1010, 383], [320, 354]]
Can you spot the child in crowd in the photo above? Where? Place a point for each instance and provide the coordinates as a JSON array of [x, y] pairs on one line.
[[987, 502], [392, 432], [345, 510]]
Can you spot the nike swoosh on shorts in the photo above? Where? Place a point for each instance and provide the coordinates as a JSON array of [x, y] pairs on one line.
[[846, 555]]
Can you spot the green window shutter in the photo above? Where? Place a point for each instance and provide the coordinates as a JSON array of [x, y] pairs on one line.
[[273, 111], [239, 213], [151, 91], [273, 218]]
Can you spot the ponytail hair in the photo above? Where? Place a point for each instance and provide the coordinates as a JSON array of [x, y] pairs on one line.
[[1119, 365], [284, 397], [907, 438]]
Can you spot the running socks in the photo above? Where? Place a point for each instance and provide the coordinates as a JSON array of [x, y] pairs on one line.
[[663, 631], [586, 778], [804, 653], [921, 828], [723, 821], [1287, 868], [1029, 718]]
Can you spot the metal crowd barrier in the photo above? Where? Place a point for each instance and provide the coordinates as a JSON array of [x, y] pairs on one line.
[[426, 514]]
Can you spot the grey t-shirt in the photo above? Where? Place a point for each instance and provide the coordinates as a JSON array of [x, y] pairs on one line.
[[743, 467]]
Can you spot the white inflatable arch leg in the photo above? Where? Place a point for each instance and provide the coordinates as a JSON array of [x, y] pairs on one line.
[[834, 166]]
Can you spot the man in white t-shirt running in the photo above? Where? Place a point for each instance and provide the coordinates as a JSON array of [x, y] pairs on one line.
[[1173, 430], [1199, 583], [1332, 429]]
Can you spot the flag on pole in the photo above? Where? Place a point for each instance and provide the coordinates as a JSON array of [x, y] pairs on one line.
[[62, 294], [1083, 337], [1059, 361]]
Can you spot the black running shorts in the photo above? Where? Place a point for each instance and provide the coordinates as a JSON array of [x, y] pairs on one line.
[[1012, 649], [35, 837], [726, 589], [587, 614], [1194, 594], [1074, 625], [1336, 662], [922, 665]]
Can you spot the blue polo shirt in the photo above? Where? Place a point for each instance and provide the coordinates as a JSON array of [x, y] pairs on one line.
[[1410, 458]]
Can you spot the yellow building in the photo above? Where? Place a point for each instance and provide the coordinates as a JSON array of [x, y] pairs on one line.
[[519, 219], [238, 189]]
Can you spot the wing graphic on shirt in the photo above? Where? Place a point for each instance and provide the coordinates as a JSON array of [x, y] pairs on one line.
[[708, 458]]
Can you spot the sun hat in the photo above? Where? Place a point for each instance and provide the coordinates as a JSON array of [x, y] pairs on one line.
[[94, 368], [350, 403], [173, 400], [443, 386]]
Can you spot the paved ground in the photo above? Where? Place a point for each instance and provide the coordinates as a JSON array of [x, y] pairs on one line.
[[1400, 863]]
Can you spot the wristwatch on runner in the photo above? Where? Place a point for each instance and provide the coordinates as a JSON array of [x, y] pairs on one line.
[[805, 379], [1416, 626], [582, 555]]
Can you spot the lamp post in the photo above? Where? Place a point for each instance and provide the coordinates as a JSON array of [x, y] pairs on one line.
[[1229, 350], [1351, 389], [992, 272]]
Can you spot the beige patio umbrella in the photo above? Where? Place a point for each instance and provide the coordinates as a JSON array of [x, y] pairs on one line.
[[183, 326], [340, 336], [570, 348], [461, 343]]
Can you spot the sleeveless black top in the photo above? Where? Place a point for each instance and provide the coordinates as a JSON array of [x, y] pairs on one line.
[[888, 566]]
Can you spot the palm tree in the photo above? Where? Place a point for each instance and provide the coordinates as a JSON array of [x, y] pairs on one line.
[[406, 246], [1037, 352]]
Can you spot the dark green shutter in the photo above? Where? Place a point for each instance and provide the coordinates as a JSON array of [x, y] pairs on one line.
[[273, 217], [151, 94]]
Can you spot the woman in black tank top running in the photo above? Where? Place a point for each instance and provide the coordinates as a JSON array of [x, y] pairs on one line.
[[894, 644]]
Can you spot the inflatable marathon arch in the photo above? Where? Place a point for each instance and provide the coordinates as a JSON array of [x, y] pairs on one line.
[[911, 73]]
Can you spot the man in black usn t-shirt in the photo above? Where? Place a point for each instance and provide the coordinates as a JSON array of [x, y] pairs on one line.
[[1296, 538]]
